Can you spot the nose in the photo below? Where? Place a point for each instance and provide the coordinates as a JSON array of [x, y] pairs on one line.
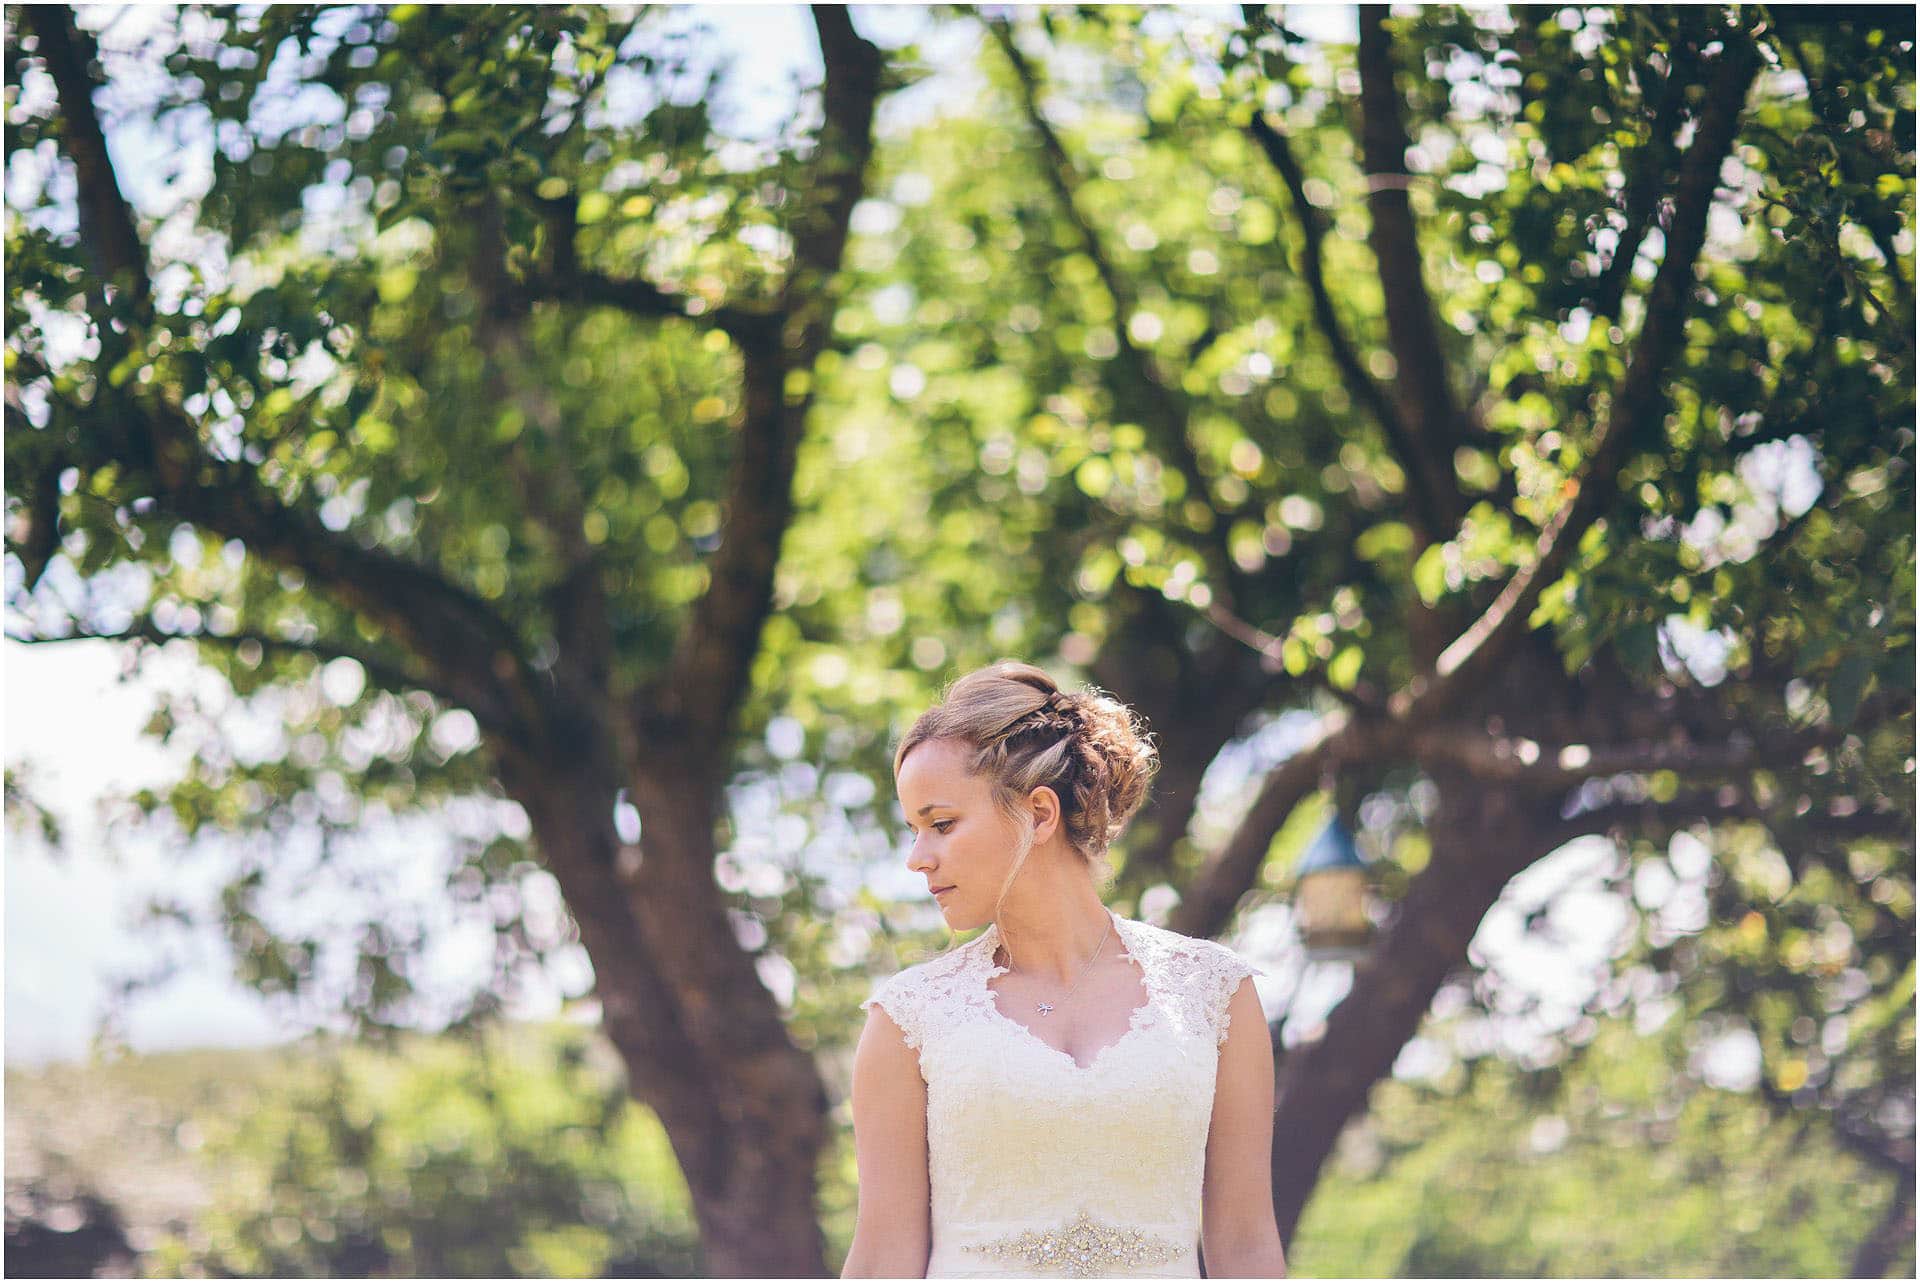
[[916, 862]]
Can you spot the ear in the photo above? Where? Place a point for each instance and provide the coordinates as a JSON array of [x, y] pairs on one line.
[[1044, 804]]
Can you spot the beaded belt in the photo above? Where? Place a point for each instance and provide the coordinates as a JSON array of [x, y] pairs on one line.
[[1083, 1247]]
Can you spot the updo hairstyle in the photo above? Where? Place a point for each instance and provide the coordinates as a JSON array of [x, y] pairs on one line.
[[1024, 732]]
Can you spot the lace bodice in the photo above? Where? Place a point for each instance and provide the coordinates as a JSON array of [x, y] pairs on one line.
[[1042, 1167]]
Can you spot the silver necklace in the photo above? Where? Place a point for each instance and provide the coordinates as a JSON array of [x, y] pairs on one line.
[[1046, 1008]]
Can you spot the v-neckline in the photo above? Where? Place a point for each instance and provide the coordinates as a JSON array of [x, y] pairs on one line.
[[990, 940]]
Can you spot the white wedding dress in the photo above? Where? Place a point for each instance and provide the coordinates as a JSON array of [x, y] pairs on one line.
[[1042, 1168]]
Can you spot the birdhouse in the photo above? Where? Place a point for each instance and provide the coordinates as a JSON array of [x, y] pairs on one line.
[[1330, 896]]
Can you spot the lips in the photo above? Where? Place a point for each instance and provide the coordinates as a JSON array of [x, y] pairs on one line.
[[940, 890]]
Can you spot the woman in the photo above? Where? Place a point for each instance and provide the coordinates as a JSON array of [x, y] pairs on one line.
[[1071, 1093]]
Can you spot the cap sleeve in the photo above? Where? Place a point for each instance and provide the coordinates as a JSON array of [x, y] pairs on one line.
[[899, 996], [1223, 971]]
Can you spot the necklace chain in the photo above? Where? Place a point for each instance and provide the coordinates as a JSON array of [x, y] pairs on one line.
[[1046, 1008]]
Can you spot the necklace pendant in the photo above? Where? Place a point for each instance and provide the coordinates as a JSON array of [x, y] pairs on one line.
[[1046, 1008]]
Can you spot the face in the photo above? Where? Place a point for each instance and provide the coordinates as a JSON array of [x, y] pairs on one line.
[[960, 838]]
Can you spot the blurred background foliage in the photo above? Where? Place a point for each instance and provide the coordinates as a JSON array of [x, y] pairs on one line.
[[517, 1154], [487, 293]]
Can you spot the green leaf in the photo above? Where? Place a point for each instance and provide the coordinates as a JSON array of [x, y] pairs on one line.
[[464, 141], [1430, 574], [1385, 539]]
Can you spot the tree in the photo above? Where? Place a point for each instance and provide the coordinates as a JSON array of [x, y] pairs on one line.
[[1443, 388], [350, 410], [1461, 476]]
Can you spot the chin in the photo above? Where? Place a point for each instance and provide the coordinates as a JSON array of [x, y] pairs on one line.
[[959, 918]]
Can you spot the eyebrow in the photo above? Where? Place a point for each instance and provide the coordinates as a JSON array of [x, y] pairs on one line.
[[932, 805]]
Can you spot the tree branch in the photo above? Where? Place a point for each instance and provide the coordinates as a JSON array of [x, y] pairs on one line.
[[1880, 1254], [439, 620], [1433, 512], [576, 603], [1722, 805], [40, 515], [1635, 410], [1881, 223], [1168, 409], [1722, 748], [707, 677], [1645, 184], [1195, 709], [1363, 698], [1219, 883], [1432, 414], [566, 282], [106, 222], [388, 674], [1518, 760], [1480, 842]]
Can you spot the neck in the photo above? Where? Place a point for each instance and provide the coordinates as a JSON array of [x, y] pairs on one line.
[[1053, 925]]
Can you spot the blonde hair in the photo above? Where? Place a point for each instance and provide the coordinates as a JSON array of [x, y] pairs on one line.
[[1025, 732]]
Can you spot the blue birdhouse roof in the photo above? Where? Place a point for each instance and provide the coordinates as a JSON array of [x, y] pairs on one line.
[[1332, 848]]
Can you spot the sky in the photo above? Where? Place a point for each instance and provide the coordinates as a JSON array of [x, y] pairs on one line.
[[76, 726], [73, 723]]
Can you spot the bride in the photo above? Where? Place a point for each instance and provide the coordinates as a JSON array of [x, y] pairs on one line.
[[1071, 1093]]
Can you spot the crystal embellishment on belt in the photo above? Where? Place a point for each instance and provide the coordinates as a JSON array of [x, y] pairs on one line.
[[1084, 1248]]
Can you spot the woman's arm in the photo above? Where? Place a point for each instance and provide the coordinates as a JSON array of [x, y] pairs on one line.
[[892, 1231], [1238, 1232]]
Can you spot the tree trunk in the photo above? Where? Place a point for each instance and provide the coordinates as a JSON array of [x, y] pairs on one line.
[[1480, 840], [752, 1177], [1194, 701], [1888, 1251], [702, 1038]]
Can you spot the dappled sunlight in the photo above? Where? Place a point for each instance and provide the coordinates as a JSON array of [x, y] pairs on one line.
[[488, 488]]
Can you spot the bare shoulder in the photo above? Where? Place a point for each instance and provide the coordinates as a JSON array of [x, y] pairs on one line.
[[893, 1225]]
